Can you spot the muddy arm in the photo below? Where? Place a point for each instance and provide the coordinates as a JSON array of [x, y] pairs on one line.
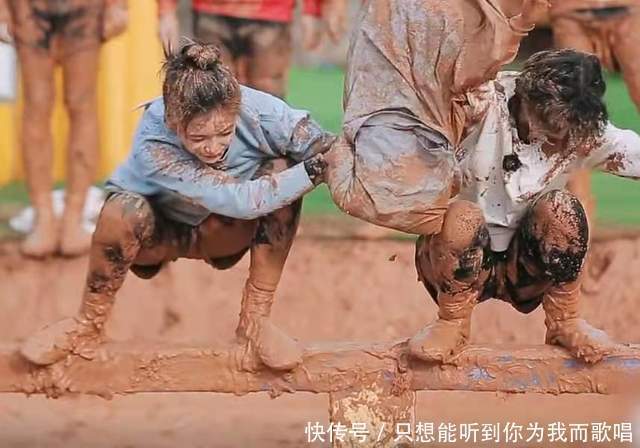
[[291, 133], [307, 139], [218, 192], [619, 153]]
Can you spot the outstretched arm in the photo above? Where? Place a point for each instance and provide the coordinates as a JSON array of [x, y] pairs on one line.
[[619, 153], [216, 191]]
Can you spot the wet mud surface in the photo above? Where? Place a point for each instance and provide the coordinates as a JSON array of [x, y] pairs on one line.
[[332, 289]]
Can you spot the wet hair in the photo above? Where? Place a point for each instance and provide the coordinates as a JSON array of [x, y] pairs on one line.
[[196, 81], [566, 89]]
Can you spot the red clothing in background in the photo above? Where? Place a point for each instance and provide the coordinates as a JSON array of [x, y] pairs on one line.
[[272, 10]]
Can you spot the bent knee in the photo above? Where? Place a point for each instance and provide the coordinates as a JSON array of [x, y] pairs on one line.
[[556, 233], [464, 226], [124, 215]]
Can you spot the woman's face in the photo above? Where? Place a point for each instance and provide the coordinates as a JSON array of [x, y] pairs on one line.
[[208, 135], [531, 128]]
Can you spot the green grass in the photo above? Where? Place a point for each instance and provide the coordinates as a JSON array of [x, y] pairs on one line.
[[320, 91], [617, 198]]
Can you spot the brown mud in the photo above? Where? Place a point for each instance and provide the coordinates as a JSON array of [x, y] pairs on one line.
[[331, 290]]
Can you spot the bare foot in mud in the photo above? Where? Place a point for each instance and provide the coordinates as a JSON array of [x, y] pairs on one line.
[[583, 341], [74, 240], [56, 341], [440, 340], [42, 241], [268, 344]]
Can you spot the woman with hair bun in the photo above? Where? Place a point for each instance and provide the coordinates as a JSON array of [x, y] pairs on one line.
[[216, 170]]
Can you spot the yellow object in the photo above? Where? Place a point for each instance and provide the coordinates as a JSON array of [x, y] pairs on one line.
[[129, 75]]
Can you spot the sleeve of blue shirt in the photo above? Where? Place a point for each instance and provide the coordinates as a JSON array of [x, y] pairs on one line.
[[173, 170], [292, 132]]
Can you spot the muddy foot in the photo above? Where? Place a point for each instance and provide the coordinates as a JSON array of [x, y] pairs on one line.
[[74, 241], [54, 342], [40, 243], [439, 341], [272, 346], [581, 339]]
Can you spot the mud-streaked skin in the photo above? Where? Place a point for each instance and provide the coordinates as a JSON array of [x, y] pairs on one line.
[[68, 33]]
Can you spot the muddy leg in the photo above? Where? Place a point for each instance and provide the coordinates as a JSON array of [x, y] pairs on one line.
[[125, 222], [452, 264], [270, 248], [555, 236], [268, 66], [81, 71], [37, 147], [628, 54], [395, 202]]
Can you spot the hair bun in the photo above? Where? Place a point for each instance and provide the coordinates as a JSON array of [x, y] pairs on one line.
[[201, 56]]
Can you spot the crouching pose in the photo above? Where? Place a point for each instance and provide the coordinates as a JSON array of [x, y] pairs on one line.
[[514, 232], [208, 178], [436, 143]]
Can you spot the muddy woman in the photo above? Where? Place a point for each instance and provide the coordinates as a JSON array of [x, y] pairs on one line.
[[610, 29], [438, 144], [216, 170], [69, 33]]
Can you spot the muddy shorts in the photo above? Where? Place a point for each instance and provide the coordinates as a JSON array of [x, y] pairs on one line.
[[511, 276], [58, 27], [397, 173], [170, 240], [548, 249]]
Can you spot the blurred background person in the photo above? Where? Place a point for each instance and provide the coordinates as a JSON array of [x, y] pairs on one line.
[[69, 33], [255, 35]]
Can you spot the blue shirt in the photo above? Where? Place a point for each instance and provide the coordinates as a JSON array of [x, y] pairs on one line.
[[188, 190]]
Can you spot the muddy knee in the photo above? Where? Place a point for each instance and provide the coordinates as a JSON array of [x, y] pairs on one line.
[[125, 217], [454, 258], [463, 227], [555, 234]]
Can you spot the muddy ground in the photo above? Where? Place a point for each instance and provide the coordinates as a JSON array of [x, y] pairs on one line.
[[333, 289]]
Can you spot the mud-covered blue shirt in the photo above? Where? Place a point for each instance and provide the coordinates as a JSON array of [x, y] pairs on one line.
[[187, 190]]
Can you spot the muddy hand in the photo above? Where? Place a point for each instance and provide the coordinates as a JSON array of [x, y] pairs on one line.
[[335, 13], [55, 342], [115, 21], [169, 30]]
